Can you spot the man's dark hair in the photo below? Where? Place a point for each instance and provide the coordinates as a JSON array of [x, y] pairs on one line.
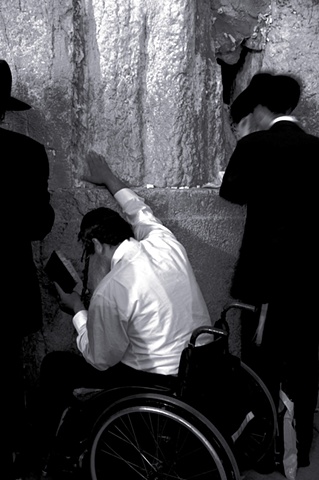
[[105, 225], [108, 227]]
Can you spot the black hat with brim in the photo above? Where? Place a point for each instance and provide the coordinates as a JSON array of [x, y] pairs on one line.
[[6, 100], [279, 93]]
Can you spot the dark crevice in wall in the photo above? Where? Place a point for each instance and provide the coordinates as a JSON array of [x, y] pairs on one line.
[[230, 71]]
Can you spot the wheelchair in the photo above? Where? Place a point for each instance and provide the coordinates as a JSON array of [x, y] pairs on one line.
[[218, 421]]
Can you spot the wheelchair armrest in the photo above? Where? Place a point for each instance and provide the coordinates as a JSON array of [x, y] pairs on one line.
[[206, 329], [83, 394]]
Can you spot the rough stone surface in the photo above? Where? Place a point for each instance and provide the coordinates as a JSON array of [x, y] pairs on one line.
[[294, 47], [236, 23], [290, 30], [143, 81]]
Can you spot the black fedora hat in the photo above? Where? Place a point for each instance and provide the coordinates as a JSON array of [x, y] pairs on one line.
[[279, 93], [7, 102]]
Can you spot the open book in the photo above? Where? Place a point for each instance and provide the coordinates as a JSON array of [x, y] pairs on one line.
[[60, 270]]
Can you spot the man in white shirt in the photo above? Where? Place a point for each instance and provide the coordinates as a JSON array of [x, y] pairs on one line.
[[145, 301]]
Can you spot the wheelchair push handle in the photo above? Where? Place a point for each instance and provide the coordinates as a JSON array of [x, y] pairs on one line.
[[240, 305], [221, 329]]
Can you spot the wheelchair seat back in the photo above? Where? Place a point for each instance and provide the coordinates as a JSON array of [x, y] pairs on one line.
[[209, 380]]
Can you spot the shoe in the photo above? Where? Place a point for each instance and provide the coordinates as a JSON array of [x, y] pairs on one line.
[[266, 468], [303, 460], [19, 466], [266, 465], [60, 466]]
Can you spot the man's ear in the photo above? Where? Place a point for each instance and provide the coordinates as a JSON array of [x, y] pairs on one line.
[[262, 117], [98, 247], [244, 127]]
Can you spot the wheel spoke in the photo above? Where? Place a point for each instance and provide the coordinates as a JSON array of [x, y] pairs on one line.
[[155, 442]]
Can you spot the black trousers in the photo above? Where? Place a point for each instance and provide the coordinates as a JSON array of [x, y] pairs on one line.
[[288, 356], [14, 425], [62, 372]]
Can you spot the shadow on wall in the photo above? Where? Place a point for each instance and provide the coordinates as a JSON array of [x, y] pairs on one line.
[[213, 268]]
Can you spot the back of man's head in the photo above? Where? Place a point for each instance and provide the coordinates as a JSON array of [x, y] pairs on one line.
[[106, 225], [283, 96]]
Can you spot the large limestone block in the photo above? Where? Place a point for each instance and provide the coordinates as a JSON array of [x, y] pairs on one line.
[[134, 80], [153, 89], [36, 39]]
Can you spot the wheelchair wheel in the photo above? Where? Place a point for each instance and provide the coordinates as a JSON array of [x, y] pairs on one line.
[[154, 436], [259, 433]]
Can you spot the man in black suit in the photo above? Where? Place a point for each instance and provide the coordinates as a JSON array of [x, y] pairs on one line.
[[274, 172], [30, 217]]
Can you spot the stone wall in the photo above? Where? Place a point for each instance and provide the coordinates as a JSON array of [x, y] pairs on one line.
[[148, 83], [279, 36]]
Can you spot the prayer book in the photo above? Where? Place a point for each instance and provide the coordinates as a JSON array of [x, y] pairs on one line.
[[60, 270]]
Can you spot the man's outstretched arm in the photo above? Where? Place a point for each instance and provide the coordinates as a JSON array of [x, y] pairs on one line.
[[135, 210]]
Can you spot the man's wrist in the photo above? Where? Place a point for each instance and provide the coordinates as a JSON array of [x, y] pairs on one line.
[[78, 306]]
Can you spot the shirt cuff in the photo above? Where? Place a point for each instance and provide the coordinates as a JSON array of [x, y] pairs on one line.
[[80, 319], [124, 195]]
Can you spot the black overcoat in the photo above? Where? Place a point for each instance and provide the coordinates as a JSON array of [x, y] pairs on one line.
[[28, 216], [275, 173]]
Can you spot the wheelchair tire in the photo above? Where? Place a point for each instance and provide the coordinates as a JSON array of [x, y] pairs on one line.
[[154, 436], [259, 434]]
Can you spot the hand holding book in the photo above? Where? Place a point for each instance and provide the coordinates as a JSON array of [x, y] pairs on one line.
[[70, 303], [67, 282]]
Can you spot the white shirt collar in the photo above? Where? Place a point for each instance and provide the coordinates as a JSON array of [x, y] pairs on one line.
[[119, 252], [286, 118]]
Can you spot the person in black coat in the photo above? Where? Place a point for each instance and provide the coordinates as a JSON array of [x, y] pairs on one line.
[[30, 217], [274, 172]]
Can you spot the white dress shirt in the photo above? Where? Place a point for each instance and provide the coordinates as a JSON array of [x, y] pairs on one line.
[[144, 310]]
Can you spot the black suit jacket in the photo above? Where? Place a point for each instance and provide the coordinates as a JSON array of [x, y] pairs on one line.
[[28, 216], [275, 173]]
